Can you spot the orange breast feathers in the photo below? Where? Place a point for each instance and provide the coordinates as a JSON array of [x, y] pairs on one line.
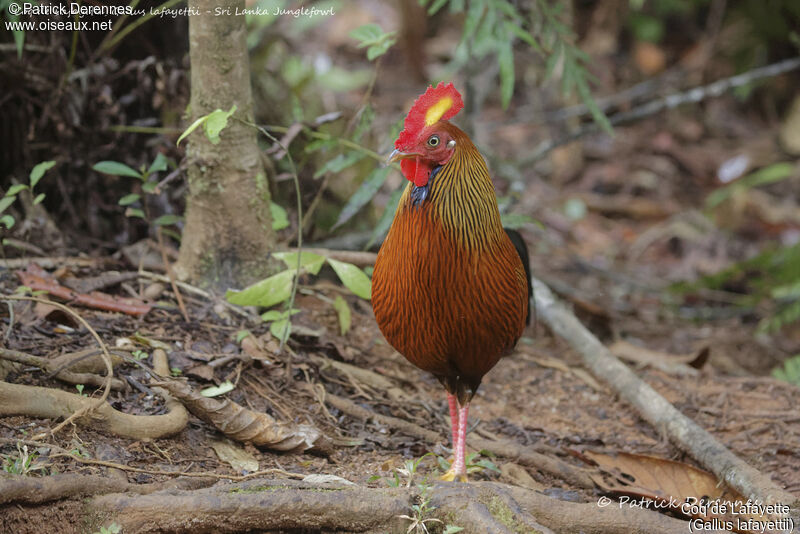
[[449, 289]]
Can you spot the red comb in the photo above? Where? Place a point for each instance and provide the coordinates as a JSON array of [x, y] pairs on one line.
[[443, 102]]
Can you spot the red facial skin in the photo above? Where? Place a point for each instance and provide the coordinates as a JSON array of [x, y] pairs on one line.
[[420, 158]]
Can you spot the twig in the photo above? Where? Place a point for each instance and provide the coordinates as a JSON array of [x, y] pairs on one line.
[[202, 474], [296, 278], [54, 262], [170, 274], [199, 292], [695, 94], [106, 357], [656, 410]]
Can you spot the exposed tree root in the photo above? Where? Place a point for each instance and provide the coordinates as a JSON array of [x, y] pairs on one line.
[[663, 416], [278, 506], [34, 490], [34, 401], [89, 379]]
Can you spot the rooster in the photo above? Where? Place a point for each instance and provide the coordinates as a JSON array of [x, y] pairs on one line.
[[450, 289]]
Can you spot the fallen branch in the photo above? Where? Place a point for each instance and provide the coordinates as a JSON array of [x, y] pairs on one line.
[[693, 95], [101, 301], [663, 416]]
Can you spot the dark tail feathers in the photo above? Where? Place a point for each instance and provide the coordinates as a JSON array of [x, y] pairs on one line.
[[522, 250]]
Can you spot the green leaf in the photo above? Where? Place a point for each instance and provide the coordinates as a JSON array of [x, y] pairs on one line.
[[116, 168], [280, 219], [452, 529], [216, 121], [7, 221], [241, 334], [149, 187], [388, 216], [5, 202], [14, 189], [436, 6], [505, 59], [343, 311], [515, 221], [371, 185], [159, 164], [127, 200], [309, 261], [166, 220], [767, 175], [281, 329], [38, 199], [215, 391], [340, 163], [353, 278], [38, 171], [266, 293], [367, 34], [372, 36], [190, 129], [134, 212]]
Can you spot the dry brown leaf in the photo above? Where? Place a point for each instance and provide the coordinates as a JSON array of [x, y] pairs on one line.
[[517, 475], [683, 364], [237, 457], [244, 425], [677, 486]]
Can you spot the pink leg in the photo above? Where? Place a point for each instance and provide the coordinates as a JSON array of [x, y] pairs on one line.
[[451, 400], [459, 467]]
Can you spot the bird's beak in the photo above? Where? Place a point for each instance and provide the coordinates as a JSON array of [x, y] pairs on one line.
[[396, 155]]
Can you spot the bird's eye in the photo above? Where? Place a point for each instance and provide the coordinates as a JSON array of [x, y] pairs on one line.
[[433, 140]]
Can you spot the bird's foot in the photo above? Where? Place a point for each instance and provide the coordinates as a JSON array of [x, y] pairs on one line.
[[452, 475]]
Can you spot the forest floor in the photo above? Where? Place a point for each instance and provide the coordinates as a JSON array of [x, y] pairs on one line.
[[613, 264]]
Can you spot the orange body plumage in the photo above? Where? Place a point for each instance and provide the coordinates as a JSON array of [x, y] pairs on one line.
[[449, 288]]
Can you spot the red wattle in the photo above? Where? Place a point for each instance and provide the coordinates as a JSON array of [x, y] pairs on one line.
[[416, 170]]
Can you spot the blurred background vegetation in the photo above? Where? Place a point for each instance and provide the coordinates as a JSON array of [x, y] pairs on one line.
[[694, 208]]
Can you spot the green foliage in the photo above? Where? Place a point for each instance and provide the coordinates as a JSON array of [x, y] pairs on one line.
[[23, 463], [134, 203], [113, 528], [212, 124], [278, 288], [491, 27], [790, 372], [19, 35], [10, 196], [280, 219], [374, 38], [215, 391], [80, 388], [475, 462], [767, 175], [772, 277], [343, 312]]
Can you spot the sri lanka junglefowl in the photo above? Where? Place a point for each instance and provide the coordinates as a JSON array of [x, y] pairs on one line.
[[449, 289]]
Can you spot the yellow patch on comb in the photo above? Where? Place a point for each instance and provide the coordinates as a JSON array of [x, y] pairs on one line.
[[436, 111]]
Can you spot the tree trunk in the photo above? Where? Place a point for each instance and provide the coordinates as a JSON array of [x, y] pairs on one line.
[[228, 233]]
